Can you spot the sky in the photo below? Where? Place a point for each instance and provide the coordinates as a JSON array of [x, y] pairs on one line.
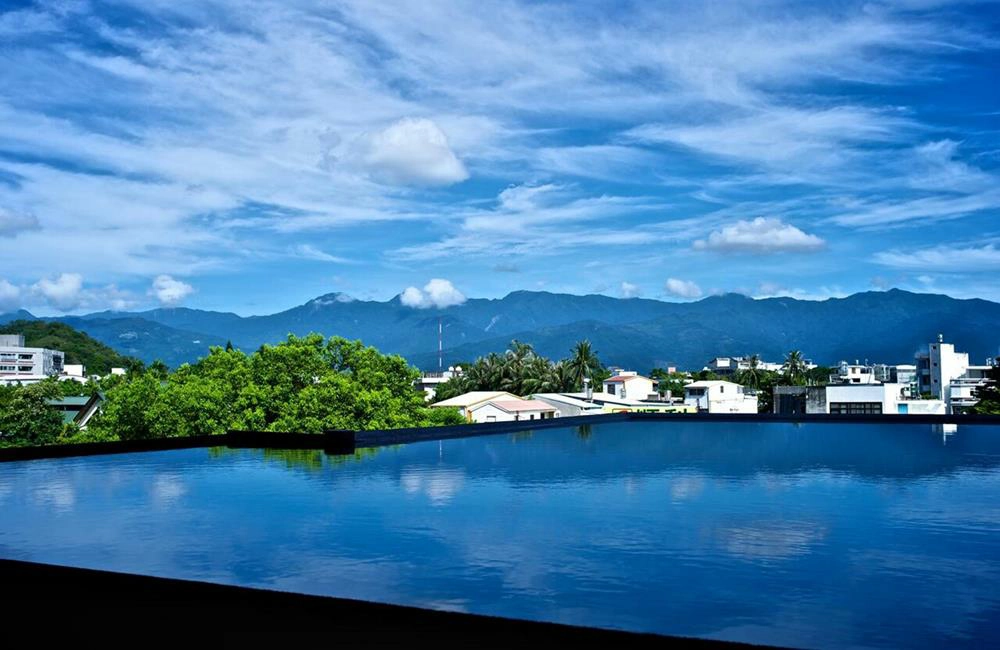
[[249, 155]]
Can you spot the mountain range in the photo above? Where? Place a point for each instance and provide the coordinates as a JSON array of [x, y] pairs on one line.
[[884, 326]]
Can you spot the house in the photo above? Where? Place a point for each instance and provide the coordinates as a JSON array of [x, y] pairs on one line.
[[854, 373], [569, 406], [719, 397], [948, 376], [467, 401], [613, 404], [77, 410], [511, 410], [729, 366], [629, 384], [20, 362], [854, 399]]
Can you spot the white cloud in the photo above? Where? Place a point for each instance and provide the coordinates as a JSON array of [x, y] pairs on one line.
[[630, 290], [13, 223], [412, 151], [170, 291], [65, 293], [309, 252], [762, 235], [682, 288], [437, 293], [959, 259], [10, 294]]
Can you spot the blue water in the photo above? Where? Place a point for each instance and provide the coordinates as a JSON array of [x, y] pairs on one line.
[[815, 535]]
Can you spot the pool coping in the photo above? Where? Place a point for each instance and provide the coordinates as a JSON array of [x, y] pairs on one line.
[[346, 442]]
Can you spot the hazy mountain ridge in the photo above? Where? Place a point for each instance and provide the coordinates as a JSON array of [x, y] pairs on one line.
[[640, 333]]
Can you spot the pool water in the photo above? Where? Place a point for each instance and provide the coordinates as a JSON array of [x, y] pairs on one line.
[[814, 535]]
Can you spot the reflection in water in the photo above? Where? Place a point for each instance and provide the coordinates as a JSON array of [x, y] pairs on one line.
[[815, 535]]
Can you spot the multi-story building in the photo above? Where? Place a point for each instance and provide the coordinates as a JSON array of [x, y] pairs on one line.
[[19, 362], [938, 366], [854, 399], [729, 366]]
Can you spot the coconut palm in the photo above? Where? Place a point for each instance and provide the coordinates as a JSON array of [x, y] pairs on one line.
[[795, 367], [583, 363], [751, 375]]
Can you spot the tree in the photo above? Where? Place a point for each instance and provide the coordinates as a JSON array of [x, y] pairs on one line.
[[583, 363], [669, 381], [794, 368], [751, 375], [989, 393], [26, 419]]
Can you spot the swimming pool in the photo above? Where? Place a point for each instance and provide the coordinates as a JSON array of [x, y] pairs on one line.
[[816, 535]]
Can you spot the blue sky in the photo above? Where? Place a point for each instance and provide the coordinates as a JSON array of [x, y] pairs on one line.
[[249, 156]]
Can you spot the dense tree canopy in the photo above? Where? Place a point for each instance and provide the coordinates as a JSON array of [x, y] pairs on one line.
[[305, 384], [989, 394], [521, 371]]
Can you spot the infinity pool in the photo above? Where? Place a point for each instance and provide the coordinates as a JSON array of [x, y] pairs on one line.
[[816, 535]]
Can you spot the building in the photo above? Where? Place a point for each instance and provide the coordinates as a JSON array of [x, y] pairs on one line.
[[609, 403], [629, 384], [78, 410], [853, 399], [429, 381], [467, 401], [855, 373], [719, 397], [962, 390], [511, 410], [938, 366], [729, 366], [569, 406], [20, 362]]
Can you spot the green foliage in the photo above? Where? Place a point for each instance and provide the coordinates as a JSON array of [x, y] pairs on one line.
[[521, 371], [25, 419], [819, 376], [672, 381], [794, 369], [989, 394], [77, 346], [305, 384]]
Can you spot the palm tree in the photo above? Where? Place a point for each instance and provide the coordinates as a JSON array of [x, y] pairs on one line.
[[752, 374], [583, 363], [795, 367]]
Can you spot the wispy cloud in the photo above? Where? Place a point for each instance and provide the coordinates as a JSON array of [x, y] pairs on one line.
[[960, 259]]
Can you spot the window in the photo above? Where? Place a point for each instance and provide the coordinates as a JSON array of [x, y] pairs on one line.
[[24, 368], [856, 408], [25, 356], [6, 368], [722, 389]]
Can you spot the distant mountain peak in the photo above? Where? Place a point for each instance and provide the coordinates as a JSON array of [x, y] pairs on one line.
[[331, 299]]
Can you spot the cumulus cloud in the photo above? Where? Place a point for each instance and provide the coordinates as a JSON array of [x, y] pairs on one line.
[[170, 291], [943, 258], [682, 288], [10, 295], [412, 151], [14, 223], [65, 293], [630, 290], [761, 236], [436, 293]]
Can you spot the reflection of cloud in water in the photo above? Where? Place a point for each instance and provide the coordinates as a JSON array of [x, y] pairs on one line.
[[683, 488], [58, 494], [168, 488], [5, 491], [777, 540], [440, 485]]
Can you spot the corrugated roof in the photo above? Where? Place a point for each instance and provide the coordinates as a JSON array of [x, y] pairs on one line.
[[474, 397]]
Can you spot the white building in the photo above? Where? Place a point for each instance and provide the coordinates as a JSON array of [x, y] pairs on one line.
[[628, 384], [855, 373], [719, 397], [20, 362], [511, 410], [569, 405], [468, 401], [962, 390], [728, 366], [948, 376], [853, 399], [429, 381]]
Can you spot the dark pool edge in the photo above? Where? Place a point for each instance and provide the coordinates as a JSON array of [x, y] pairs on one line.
[[339, 442], [96, 605]]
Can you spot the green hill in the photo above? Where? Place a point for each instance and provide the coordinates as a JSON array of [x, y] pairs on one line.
[[76, 345]]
